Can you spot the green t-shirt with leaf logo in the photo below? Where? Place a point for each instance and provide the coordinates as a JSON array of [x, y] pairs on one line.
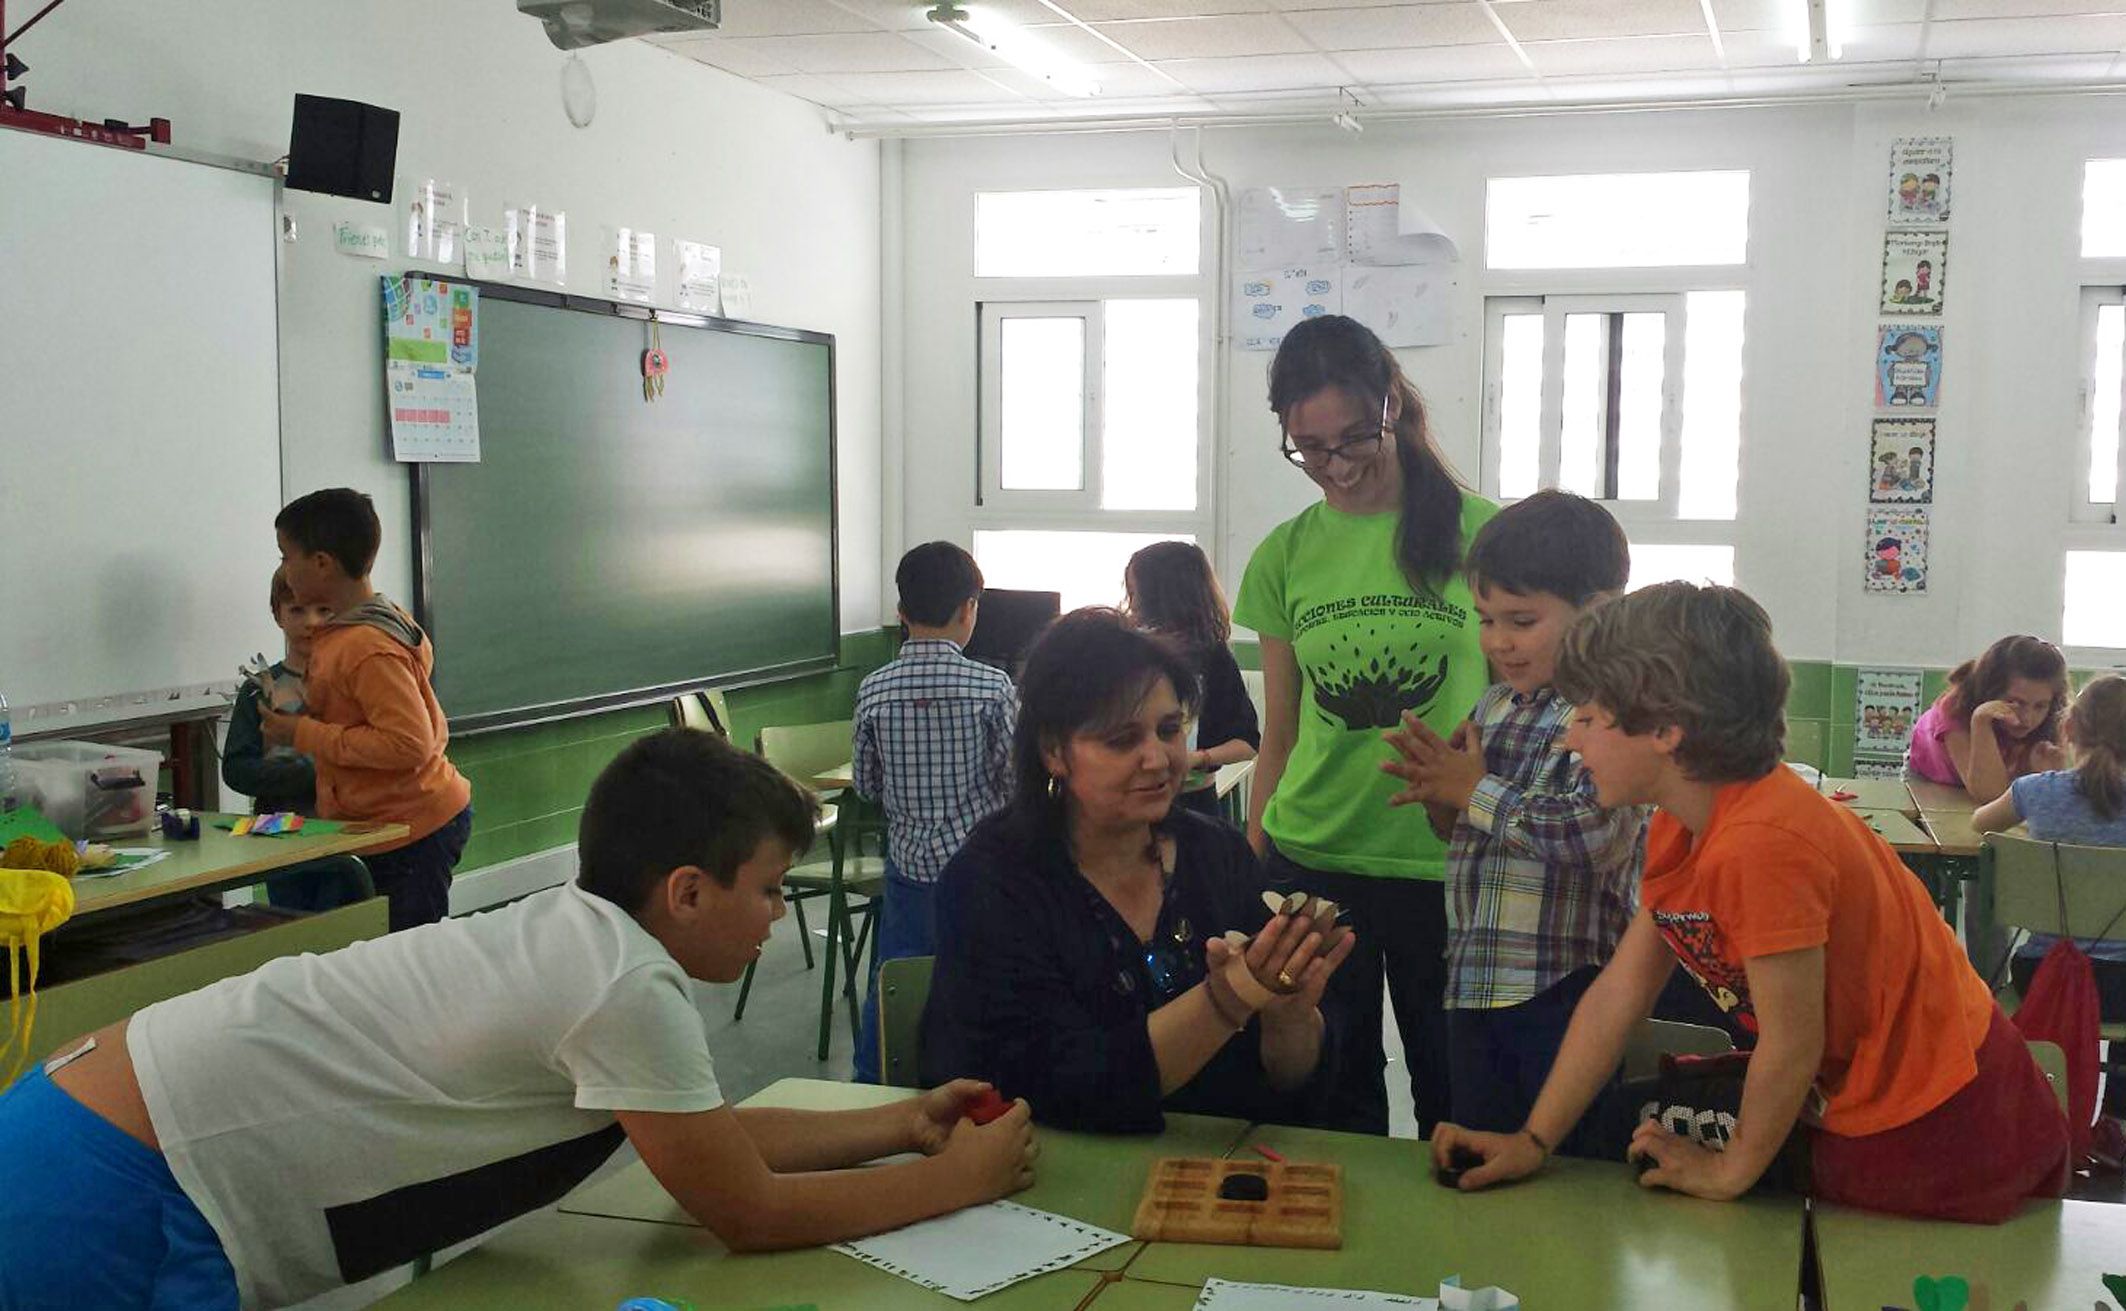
[[1368, 648]]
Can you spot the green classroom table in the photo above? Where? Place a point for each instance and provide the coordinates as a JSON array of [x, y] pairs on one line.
[[1084, 1176], [2049, 1256], [1870, 793], [1581, 1235], [220, 859], [1904, 835]]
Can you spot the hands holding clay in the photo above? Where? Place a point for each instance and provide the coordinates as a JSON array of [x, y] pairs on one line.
[[1287, 964]]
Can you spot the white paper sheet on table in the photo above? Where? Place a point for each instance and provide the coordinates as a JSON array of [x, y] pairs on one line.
[[984, 1248], [129, 859], [1221, 1295]]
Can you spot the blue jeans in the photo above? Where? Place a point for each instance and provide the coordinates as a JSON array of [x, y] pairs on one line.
[[415, 878], [907, 926], [1501, 1057]]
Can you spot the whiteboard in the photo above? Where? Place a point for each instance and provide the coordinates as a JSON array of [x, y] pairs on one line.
[[139, 421]]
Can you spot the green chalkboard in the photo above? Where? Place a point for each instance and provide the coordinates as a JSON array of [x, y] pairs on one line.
[[608, 550]]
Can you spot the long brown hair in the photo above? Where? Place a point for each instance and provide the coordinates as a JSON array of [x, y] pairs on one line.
[[2099, 717], [1335, 351], [1975, 682], [1173, 590]]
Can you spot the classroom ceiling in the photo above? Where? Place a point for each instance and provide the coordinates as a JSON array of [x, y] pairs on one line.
[[880, 65]]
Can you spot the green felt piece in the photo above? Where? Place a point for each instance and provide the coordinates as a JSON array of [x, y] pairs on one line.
[[28, 822]]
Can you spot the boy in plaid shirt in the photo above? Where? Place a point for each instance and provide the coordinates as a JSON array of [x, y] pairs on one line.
[[1542, 880]]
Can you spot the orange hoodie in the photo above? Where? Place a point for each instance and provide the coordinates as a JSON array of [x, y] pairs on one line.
[[374, 727]]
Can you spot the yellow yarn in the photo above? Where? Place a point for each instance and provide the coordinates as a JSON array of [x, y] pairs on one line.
[[27, 852], [33, 902]]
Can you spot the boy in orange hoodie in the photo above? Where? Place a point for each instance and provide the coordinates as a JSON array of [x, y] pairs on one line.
[[372, 723]]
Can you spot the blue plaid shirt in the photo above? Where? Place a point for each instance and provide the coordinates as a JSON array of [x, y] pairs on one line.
[[933, 746], [1541, 880]]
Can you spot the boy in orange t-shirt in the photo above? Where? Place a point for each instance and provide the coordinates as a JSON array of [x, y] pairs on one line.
[[372, 723], [1872, 1029]]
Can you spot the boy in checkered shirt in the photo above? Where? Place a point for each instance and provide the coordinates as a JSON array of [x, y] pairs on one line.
[[933, 747], [1542, 880]]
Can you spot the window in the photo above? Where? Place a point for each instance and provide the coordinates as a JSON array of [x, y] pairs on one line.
[[1136, 232], [1086, 567], [1617, 220], [1658, 563], [2104, 209], [2103, 385], [1092, 340], [2093, 616], [1627, 399]]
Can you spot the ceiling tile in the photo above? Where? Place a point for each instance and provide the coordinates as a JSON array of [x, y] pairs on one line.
[[1556, 20], [1207, 38], [910, 15], [1883, 13], [1887, 41], [818, 90], [1401, 27], [1104, 11], [1955, 9], [741, 57], [1978, 38], [1637, 54], [1754, 15], [1120, 81], [796, 18], [1765, 49], [876, 52], [1256, 73], [1376, 69], [907, 90], [1071, 44]]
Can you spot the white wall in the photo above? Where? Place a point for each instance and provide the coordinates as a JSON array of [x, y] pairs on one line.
[[678, 148], [2008, 422]]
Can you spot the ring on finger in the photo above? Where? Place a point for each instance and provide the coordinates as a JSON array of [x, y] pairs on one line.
[[1286, 981]]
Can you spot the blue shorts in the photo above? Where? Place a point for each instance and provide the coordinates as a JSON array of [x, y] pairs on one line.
[[90, 1217]]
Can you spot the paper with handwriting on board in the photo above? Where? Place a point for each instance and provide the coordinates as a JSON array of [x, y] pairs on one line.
[[977, 1251], [1223, 1295]]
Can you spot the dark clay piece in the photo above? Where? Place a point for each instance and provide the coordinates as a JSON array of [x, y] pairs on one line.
[[1244, 1188], [1459, 1161]]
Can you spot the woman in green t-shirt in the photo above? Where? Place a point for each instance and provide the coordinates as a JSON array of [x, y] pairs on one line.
[[1363, 614]]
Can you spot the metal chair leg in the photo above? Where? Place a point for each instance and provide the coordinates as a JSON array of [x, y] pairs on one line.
[[745, 990], [804, 932]]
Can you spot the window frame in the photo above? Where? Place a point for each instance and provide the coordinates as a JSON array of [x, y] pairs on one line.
[[1554, 308], [989, 424], [2081, 509]]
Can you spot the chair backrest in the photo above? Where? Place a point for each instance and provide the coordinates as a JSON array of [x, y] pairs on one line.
[[1642, 1052], [903, 988], [1252, 678], [702, 710], [2028, 886], [2053, 1062], [804, 751]]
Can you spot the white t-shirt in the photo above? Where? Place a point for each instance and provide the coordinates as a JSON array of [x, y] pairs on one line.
[[337, 1115]]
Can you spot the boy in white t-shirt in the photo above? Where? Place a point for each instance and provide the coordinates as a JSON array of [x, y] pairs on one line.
[[325, 1118]]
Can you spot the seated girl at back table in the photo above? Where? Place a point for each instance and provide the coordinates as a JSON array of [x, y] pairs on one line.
[[1999, 719]]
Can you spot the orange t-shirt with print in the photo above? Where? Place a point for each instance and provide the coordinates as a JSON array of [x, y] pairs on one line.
[[1781, 869]]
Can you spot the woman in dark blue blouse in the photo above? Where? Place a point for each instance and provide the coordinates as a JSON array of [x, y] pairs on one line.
[[1081, 963]]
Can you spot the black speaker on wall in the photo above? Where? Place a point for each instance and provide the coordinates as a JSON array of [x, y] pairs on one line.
[[343, 148]]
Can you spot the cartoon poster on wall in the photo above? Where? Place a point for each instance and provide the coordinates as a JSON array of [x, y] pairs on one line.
[[630, 264], [1908, 366], [1915, 272], [1919, 181], [1901, 462], [1267, 304], [1885, 704], [1897, 550]]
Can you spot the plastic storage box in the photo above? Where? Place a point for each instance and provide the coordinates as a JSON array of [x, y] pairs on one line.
[[90, 789]]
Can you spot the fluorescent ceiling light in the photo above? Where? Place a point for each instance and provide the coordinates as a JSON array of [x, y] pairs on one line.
[[1017, 47], [1822, 30]]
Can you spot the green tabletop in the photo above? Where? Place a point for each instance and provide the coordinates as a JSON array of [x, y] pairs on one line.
[[1952, 832], [2052, 1255], [1084, 1176], [1904, 835], [1929, 795], [220, 859], [1870, 793], [589, 1263], [1580, 1235]]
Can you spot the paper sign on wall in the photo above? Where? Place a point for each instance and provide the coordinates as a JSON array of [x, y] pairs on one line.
[[1901, 461], [1267, 304], [431, 348], [737, 292], [362, 240], [1919, 181], [1280, 227], [1915, 272], [1885, 704], [700, 270], [1382, 228], [538, 244], [1908, 366], [1897, 550], [434, 218], [1406, 305], [630, 264], [486, 254]]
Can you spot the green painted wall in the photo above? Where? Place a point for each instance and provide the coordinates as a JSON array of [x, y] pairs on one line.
[[528, 784]]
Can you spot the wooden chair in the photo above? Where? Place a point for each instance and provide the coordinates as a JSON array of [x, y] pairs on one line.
[[2051, 887], [804, 751], [903, 988], [1642, 1053]]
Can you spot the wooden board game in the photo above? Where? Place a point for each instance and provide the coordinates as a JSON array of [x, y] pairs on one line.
[[1184, 1203]]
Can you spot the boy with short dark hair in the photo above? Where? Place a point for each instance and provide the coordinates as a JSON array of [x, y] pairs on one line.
[[1542, 878], [1873, 1031], [372, 724], [325, 1118], [933, 747]]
